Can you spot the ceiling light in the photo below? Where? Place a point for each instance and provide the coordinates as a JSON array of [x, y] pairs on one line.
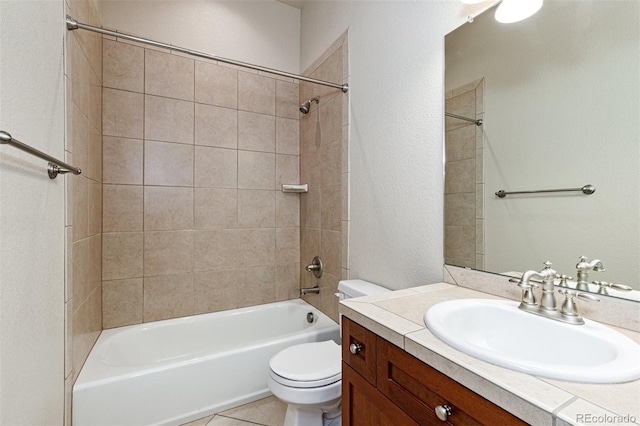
[[510, 11]]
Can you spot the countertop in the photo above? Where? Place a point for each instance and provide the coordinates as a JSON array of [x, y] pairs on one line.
[[398, 317]]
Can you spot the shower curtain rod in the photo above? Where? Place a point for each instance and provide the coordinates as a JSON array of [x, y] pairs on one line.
[[72, 24], [459, 117]]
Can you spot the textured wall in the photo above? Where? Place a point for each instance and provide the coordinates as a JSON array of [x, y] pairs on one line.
[[31, 215]]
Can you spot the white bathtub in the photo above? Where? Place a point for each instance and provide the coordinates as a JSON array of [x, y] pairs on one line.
[[174, 371]]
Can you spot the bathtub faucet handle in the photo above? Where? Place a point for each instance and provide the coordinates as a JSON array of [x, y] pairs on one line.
[[315, 266]]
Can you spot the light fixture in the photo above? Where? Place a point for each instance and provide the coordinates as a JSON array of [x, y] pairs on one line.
[[510, 11]]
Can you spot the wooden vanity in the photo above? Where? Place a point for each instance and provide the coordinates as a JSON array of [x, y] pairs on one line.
[[396, 372], [383, 385]]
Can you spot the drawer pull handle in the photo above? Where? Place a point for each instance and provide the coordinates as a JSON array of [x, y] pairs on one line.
[[443, 412], [354, 348]]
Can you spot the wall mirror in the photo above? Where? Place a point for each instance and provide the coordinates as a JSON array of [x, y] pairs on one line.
[[559, 99]]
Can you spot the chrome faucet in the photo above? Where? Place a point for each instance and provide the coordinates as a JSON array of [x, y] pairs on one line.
[[547, 307], [583, 268]]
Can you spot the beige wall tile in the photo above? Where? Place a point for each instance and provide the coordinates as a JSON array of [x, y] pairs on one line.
[[216, 167], [168, 120], [123, 66], [256, 209], [460, 176], [216, 291], [95, 261], [256, 93], [216, 126], [122, 113], [331, 164], [122, 255], [80, 207], [461, 143], [95, 208], [216, 85], [287, 136], [256, 170], [287, 209], [123, 206], [463, 104], [256, 132], [256, 247], [168, 296], [257, 286], [80, 130], [287, 281], [80, 266], [287, 245], [287, 102], [309, 245], [95, 155], [460, 209], [168, 252], [287, 170], [122, 160], [168, 164], [310, 132], [215, 208], [87, 325], [310, 169], [121, 302], [310, 209], [460, 242], [331, 119], [330, 210], [168, 208], [168, 75], [331, 251], [218, 249]]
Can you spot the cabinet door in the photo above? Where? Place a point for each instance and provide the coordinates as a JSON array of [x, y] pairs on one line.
[[359, 349], [364, 405], [418, 389]]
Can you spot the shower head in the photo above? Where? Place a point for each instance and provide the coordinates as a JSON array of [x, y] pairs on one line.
[[305, 107]]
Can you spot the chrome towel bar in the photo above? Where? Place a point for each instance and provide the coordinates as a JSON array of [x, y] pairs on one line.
[[54, 167], [587, 190]]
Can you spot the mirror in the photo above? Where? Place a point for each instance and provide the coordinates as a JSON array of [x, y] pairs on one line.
[[559, 100]]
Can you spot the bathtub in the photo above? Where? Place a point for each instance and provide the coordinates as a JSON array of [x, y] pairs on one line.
[[175, 371]]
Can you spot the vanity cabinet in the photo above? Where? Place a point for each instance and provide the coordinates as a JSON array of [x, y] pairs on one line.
[[384, 385]]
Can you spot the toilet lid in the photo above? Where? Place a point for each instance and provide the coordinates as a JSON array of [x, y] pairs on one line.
[[308, 362]]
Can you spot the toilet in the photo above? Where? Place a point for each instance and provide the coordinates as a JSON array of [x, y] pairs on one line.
[[308, 376]]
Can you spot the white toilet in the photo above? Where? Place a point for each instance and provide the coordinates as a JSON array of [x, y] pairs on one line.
[[308, 377]]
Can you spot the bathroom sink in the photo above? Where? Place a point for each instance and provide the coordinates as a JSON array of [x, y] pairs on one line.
[[498, 332]]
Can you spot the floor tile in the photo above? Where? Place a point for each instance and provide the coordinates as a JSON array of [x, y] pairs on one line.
[[268, 411]]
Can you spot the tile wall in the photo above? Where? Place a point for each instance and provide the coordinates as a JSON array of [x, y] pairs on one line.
[[464, 178], [195, 153], [324, 165], [83, 218]]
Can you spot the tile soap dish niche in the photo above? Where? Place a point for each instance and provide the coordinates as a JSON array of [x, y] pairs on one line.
[[298, 188]]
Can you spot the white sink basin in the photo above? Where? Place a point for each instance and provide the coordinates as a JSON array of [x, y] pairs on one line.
[[498, 332]]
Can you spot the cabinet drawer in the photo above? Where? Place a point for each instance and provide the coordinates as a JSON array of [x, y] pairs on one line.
[[359, 349], [418, 389], [363, 405]]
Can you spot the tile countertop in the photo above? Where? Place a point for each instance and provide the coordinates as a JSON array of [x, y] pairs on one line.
[[398, 317]]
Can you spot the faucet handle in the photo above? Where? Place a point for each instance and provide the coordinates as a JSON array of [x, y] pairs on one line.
[[563, 280], [569, 308]]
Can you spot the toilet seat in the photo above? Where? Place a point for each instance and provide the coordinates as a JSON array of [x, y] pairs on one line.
[[307, 365]]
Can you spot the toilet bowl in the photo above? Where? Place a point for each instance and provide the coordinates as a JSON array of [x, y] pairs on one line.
[[308, 376]]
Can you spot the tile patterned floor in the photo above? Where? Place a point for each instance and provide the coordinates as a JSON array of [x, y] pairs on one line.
[[265, 412]]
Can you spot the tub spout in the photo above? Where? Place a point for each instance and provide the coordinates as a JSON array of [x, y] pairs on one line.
[[308, 290]]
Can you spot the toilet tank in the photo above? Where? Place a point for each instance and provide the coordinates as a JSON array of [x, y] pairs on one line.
[[357, 288]]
